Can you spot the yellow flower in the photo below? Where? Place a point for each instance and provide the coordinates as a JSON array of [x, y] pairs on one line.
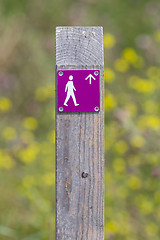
[[137, 141], [130, 55], [48, 178], [29, 154], [110, 101], [109, 40], [43, 93], [146, 207], [121, 147], [109, 75], [9, 133], [153, 122], [157, 35], [149, 121], [119, 165], [30, 123], [121, 65], [5, 104], [6, 162], [135, 183], [142, 85], [112, 226]]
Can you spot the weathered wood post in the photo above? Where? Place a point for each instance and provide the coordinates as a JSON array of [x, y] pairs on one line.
[[79, 133]]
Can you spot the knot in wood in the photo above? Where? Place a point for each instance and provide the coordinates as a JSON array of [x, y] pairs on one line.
[[84, 175]]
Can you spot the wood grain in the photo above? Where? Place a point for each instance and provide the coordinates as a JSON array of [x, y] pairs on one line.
[[80, 143]]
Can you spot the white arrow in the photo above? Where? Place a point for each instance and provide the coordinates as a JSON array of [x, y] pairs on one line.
[[90, 78]]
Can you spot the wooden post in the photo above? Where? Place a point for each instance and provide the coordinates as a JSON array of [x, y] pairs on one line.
[[80, 143]]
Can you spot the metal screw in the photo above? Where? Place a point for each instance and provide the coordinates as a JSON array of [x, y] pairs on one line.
[[61, 109], [60, 73], [96, 109], [84, 175], [96, 73]]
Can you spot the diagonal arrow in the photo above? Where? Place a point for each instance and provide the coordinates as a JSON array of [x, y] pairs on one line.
[[90, 76]]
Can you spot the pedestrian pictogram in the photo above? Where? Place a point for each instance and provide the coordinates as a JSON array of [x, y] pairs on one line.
[[70, 91], [78, 91]]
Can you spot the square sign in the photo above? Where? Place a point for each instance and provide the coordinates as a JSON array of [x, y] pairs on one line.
[[78, 90]]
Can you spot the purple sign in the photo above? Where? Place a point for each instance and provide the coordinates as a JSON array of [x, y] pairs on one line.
[[78, 90]]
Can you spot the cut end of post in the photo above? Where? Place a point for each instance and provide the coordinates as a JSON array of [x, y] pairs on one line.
[[85, 46]]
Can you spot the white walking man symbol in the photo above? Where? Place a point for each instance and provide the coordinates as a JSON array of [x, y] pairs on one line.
[[70, 93]]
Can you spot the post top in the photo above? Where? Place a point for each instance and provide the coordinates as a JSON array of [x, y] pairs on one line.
[[79, 46]]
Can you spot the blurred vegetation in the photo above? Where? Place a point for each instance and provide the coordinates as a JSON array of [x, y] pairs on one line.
[[132, 110]]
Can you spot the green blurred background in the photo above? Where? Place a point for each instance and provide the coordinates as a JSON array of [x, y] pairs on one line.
[[132, 108]]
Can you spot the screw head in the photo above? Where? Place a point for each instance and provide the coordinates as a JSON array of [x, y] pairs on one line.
[[60, 73], [96, 109], [96, 73], [61, 109]]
